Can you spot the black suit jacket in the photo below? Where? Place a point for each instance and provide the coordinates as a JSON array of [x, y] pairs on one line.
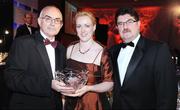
[[23, 30], [28, 74], [150, 81]]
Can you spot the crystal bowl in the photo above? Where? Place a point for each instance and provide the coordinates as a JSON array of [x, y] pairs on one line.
[[72, 78]]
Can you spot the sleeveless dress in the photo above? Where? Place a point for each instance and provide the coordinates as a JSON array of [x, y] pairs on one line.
[[96, 74]]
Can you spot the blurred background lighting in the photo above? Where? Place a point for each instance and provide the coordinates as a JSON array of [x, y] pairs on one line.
[[176, 10], [6, 32], [1, 41]]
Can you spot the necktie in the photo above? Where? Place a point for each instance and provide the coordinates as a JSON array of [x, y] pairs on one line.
[[127, 44], [53, 43]]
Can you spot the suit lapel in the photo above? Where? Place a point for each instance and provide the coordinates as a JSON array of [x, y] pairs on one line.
[[116, 51], [136, 57], [26, 28], [43, 53], [58, 56]]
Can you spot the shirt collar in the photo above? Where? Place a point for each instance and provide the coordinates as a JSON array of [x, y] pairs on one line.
[[28, 25], [136, 40]]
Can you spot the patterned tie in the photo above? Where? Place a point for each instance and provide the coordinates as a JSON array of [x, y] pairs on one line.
[[53, 43], [127, 44]]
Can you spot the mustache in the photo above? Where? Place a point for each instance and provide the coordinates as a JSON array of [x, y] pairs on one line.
[[126, 30]]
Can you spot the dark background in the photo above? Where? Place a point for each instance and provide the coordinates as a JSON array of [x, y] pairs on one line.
[[6, 23]]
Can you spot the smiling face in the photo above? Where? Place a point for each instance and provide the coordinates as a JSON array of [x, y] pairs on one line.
[[50, 21], [85, 28], [128, 27]]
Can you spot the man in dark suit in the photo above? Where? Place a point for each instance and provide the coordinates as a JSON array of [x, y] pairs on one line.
[[144, 75], [31, 64], [26, 28]]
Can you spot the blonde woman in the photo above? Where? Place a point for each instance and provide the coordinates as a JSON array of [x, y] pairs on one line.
[[92, 56]]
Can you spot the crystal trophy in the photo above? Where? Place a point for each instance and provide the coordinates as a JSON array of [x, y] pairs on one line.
[[72, 78]]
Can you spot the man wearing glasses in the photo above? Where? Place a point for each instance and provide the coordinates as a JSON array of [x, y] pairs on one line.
[[144, 75], [31, 65]]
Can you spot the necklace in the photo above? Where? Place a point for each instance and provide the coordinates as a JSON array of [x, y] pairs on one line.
[[86, 50]]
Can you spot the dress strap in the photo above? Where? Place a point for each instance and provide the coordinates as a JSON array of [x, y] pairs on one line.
[[71, 51], [97, 55]]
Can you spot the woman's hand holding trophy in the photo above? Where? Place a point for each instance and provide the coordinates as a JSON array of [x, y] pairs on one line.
[[73, 78]]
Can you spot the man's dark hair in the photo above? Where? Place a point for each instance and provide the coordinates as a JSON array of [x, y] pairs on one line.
[[126, 10]]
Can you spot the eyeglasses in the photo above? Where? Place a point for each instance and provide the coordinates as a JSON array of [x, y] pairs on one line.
[[49, 19], [128, 22]]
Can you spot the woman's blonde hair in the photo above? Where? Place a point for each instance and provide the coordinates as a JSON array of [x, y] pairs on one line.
[[86, 13]]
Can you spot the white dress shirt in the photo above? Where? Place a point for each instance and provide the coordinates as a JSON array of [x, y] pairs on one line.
[[29, 28], [124, 57], [51, 54]]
